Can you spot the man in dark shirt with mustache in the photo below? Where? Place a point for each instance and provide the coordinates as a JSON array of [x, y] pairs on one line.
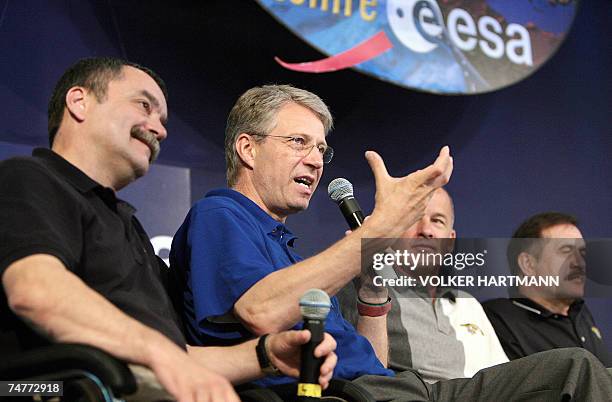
[[543, 318]]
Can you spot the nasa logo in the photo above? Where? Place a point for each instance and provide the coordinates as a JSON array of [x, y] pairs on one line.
[[419, 25]]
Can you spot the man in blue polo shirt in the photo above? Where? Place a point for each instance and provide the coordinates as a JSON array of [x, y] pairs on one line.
[[242, 279]]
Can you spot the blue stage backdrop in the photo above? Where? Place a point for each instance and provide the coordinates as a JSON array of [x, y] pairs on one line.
[[542, 144]]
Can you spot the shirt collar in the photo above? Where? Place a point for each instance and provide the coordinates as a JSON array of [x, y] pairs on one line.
[[74, 175], [530, 305], [272, 227], [450, 294], [79, 179]]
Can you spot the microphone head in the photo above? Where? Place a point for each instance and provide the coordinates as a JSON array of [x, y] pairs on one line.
[[339, 189], [315, 304]]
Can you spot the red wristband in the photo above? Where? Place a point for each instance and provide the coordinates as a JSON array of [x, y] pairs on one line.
[[373, 310]]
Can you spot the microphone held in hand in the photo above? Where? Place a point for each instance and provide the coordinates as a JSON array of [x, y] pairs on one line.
[[341, 191], [314, 306]]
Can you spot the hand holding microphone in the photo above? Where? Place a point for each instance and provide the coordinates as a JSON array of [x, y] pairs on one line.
[[283, 352], [340, 190], [314, 305]]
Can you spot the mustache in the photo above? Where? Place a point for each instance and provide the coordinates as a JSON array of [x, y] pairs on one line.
[[148, 138], [576, 273]]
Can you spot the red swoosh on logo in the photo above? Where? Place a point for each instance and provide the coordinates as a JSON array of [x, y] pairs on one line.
[[364, 51]]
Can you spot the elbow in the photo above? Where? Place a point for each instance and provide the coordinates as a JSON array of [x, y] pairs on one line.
[[258, 321], [27, 299], [26, 294]]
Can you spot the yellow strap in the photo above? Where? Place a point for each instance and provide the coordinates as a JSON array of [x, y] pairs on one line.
[[312, 390]]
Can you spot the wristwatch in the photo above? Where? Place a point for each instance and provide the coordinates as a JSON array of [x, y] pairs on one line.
[[265, 364]]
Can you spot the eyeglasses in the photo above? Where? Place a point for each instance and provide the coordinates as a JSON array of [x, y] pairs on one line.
[[304, 145]]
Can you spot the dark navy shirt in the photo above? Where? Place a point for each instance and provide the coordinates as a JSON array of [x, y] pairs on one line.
[[524, 327], [226, 245]]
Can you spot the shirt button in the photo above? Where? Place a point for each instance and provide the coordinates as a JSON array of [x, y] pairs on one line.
[[583, 339], [555, 316]]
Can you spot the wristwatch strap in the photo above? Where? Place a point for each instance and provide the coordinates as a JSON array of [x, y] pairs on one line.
[[262, 357]]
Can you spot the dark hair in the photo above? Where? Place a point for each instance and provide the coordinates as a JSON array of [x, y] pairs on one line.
[[532, 229], [93, 74]]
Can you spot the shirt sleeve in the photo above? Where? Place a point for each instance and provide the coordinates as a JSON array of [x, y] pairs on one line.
[[507, 339], [227, 256], [37, 215]]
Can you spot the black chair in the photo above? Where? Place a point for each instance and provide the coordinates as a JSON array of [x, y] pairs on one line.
[[89, 374]]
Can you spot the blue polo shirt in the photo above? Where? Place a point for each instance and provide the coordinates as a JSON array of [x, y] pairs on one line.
[[226, 245]]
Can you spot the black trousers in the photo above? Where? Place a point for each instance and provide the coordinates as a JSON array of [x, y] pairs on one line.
[[571, 374]]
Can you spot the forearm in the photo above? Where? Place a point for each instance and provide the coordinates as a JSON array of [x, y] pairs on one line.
[[55, 302], [237, 363], [375, 330], [272, 304]]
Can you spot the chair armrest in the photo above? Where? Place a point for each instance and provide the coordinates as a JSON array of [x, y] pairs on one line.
[[44, 362]]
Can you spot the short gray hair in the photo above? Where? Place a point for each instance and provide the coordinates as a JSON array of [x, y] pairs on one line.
[[255, 113]]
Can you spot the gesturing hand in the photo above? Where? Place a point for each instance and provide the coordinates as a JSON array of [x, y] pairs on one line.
[[401, 201]]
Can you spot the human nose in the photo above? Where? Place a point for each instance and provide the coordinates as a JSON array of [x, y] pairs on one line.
[[314, 158], [578, 259], [156, 126], [425, 228]]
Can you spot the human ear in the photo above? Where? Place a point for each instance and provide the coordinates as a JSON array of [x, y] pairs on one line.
[[526, 263], [76, 102], [246, 150]]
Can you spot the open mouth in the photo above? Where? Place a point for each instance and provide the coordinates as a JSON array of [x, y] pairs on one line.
[[304, 181]]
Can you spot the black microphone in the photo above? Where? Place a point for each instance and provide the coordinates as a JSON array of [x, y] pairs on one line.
[[341, 191], [314, 306]]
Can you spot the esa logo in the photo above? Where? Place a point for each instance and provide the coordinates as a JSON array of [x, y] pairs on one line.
[[419, 25]]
